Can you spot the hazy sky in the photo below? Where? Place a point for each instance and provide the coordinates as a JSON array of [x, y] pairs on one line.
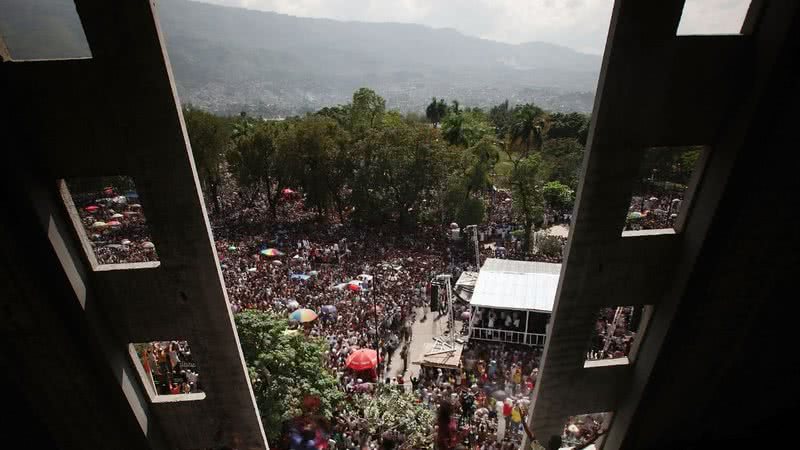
[[579, 24]]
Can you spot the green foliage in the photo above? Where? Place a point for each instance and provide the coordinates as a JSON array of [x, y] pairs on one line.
[[384, 166], [670, 164], [548, 245], [366, 110], [563, 159], [398, 411], [399, 165], [527, 200], [501, 118], [209, 136], [528, 127], [283, 369], [316, 158], [465, 128], [572, 125], [558, 196], [472, 211], [436, 110], [480, 159], [256, 162]]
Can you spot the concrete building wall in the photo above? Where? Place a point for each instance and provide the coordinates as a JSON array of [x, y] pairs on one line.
[[117, 113], [656, 89]]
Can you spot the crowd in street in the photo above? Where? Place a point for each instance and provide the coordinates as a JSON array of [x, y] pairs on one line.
[[365, 286], [490, 393]]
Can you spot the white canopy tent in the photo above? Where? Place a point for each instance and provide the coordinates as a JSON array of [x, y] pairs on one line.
[[516, 285]]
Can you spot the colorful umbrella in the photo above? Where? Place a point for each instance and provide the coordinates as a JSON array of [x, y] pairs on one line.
[[303, 315], [271, 252], [362, 359]]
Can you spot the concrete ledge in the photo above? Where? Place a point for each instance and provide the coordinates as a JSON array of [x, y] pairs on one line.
[[606, 362], [659, 232]]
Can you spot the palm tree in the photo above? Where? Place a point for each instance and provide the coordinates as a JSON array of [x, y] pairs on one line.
[[528, 127]]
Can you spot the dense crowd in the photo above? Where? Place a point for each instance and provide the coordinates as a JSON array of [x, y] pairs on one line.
[[366, 286], [489, 394], [652, 212], [115, 226], [170, 366]]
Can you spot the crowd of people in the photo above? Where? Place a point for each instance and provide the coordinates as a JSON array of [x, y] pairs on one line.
[[170, 367], [489, 394], [366, 285], [615, 330], [653, 211], [115, 226]]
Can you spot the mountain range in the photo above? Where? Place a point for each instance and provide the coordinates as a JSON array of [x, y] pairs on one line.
[[231, 59]]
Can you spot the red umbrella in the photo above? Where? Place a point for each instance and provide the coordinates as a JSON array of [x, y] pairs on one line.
[[354, 287], [92, 208], [362, 359]]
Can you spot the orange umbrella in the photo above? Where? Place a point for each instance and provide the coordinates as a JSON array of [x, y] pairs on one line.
[[362, 359]]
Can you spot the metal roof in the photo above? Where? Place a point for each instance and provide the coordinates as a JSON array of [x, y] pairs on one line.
[[519, 285]]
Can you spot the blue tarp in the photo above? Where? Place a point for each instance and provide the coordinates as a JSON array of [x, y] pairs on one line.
[[300, 276]]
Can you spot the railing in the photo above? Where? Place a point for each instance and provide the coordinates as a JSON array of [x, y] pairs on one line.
[[510, 336]]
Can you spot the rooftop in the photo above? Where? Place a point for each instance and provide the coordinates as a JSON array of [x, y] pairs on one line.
[[519, 285]]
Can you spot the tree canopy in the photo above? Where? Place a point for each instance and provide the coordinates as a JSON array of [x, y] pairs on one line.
[[284, 369], [374, 166]]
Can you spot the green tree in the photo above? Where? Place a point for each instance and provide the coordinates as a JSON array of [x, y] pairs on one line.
[[568, 125], [242, 126], [528, 127], [339, 113], [209, 136], [316, 159], [399, 165], [558, 197], [283, 369], [366, 111], [562, 159], [465, 128], [527, 200], [500, 116], [436, 110], [257, 164]]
